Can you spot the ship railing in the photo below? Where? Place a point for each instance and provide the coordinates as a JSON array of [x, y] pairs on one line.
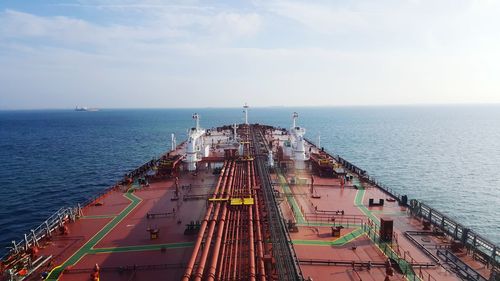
[[312, 219], [138, 172], [448, 225], [359, 172], [96, 197], [476, 244], [409, 235], [356, 265], [352, 263], [402, 257], [126, 269], [332, 218], [42, 231], [459, 267], [144, 168], [58, 219], [54, 221]]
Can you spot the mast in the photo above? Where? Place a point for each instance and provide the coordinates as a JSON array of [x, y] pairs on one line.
[[196, 117], [174, 142], [194, 143], [245, 110]]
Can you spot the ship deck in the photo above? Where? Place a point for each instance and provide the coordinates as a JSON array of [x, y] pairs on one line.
[[113, 232], [357, 253], [139, 231]]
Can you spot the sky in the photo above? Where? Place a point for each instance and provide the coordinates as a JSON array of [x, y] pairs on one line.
[[155, 54]]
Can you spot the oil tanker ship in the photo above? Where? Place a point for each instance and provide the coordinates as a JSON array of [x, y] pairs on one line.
[[250, 202]]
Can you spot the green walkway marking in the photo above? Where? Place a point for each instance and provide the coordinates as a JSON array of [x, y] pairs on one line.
[[389, 252], [358, 232], [358, 201], [291, 200], [341, 241], [98, 217], [386, 249], [88, 247], [137, 248]]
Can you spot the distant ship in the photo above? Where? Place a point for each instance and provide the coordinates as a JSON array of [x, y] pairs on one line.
[[77, 108]]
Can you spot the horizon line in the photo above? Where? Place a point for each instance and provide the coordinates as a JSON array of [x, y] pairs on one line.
[[266, 106]]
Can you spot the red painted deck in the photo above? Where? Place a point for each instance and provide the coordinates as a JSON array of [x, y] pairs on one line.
[[113, 231], [314, 240]]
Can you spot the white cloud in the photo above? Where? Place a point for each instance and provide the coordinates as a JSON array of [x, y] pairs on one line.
[[192, 55], [234, 24], [158, 27], [390, 25], [21, 25], [323, 18]]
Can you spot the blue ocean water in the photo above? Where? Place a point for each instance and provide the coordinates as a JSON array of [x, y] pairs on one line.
[[448, 156]]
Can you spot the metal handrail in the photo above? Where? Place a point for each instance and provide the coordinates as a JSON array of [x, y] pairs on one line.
[[469, 238], [472, 240], [43, 230], [358, 171], [62, 215]]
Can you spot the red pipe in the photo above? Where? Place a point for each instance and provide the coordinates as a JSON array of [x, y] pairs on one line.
[[208, 239], [217, 245], [232, 253], [240, 269], [236, 245], [201, 233], [224, 246], [218, 239], [230, 242], [215, 256], [250, 228], [230, 249]]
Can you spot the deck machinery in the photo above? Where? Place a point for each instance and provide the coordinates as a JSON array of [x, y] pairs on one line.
[[237, 203]]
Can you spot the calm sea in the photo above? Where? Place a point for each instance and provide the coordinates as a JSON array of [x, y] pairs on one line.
[[448, 156]]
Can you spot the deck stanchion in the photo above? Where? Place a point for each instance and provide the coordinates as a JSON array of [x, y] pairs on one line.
[[47, 228], [15, 247], [26, 242], [35, 240]]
